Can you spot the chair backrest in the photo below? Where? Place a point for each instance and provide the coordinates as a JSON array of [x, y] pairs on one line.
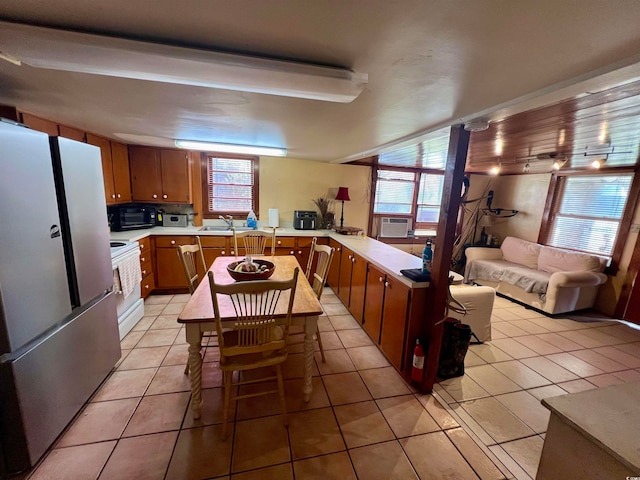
[[204, 263], [318, 277], [256, 318], [254, 241], [188, 255]]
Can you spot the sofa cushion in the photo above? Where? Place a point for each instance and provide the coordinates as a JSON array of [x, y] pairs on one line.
[[553, 259], [519, 251]]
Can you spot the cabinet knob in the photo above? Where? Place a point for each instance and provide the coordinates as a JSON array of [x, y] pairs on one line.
[[353, 260], [380, 279], [387, 284], [299, 252], [165, 196], [233, 252], [173, 242], [349, 257], [119, 196], [222, 253], [147, 287], [339, 249], [144, 272], [292, 252], [113, 196], [155, 196], [142, 259], [279, 242]]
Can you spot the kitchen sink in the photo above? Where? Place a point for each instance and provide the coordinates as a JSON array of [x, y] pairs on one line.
[[222, 228]]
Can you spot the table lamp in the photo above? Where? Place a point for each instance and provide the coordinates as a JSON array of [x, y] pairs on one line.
[[343, 194]]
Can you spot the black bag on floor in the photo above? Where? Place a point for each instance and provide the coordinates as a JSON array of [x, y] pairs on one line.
[[455, 343]]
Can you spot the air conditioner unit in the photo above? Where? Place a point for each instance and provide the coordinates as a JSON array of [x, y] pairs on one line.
[[395, 227]]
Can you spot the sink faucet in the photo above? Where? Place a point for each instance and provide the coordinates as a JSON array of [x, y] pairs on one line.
[[228, 220]]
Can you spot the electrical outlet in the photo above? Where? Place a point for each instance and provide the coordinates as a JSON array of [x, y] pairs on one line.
[[635, 228]]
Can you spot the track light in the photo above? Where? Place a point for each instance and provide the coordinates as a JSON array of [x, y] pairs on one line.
[[232, 148], [495, 170], [86, 53]]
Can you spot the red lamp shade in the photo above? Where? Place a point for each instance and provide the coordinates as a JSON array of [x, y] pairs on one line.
[[343, 194]]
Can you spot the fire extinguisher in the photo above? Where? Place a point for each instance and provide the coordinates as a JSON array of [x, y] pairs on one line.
[[418, 363]]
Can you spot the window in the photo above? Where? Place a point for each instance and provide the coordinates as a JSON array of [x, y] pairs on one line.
[[394, 192], [429, 198], [586, 212], [230, 185]]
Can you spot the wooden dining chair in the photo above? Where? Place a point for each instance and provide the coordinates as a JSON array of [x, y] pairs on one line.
[[258, 337], [254, 242], [322, 255]]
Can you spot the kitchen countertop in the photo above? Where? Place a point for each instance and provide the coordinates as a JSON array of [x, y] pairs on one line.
[[390, 259]]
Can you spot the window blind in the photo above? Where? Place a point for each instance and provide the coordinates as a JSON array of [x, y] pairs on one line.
[[394, 192], [230, 184], [429, 198]]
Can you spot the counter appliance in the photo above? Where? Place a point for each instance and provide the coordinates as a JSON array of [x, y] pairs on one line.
[[305, 219], [123, 218], [58, 324]]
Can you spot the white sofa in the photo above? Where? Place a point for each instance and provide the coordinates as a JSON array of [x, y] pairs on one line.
[[546, 278]]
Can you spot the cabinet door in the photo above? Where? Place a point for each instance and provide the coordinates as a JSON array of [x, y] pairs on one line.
[[358, 284], [40, 124], [107, 166], [394, 319], [72, 133], [334, 270], [146, 175], [169, 272], [373, 307], [121, 176], [344, 286], [175, 176]]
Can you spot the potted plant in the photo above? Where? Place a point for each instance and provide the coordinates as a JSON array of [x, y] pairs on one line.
[[325, 217]]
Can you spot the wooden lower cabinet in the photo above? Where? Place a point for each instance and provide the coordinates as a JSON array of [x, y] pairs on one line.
[[334, 270], [357, 286], [214, 247], [372, 317], [394, 320], [168, 270], [344, 281], [148, 282]]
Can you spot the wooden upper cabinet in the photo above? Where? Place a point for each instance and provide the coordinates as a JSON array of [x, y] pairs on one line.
[[115, 169], [72, 133], [40, 124], [159, 175]]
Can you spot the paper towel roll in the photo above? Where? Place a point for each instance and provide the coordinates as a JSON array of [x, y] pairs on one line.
[[274, 219]]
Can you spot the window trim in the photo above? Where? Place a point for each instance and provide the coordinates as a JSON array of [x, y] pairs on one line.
[[625, 220], [204, 160]]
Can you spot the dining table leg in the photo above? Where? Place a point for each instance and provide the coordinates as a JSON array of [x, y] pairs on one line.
[[310, 329], [194, 339]]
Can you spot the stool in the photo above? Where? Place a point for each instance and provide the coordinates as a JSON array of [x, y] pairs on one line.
[[478, 300]]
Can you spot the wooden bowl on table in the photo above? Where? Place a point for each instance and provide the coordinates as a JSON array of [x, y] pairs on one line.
[[262, 274]]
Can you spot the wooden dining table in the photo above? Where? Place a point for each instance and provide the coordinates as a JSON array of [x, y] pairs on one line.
[[198, 317]]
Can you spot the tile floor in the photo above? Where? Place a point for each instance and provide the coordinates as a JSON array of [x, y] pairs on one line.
[[362, 422]]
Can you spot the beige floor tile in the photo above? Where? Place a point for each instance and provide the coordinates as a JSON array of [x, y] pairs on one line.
[[437, 411], [165, 321], [200, 453], [516, 371], [154, 309], [547, 392], [336, 466], [406, 416], [362, 424], [258, 443], [628, 376], [295, 397], [131, 339], [367, 357], [483, 466], [599, 335], [384, 382], [331, 340], [157, 338], [354, 338], [140, 457], [99, 422], [346, 388], [463, 388], [496, 420], [170, 379], [497, 334], [515, 470], [615, 353], [605, 380], [490, 379], [529, 326], [157, 300], [548, 369], [526, 452], [173, 308], [600, 361], [335, 309], [144, 323], [344, 322], [576, 386], [313, 433], [385, 461], [158, 413], [177, 355], [293, 367], [527, 408], [144, 358], [471, 359], [434, 457], [211, 375], [507, 329], [211, 413], [277, 472], [181, 298], [125, 384], [574, 364], [324, 325], [583, 340], [489, 353], [630, 348], [537, 345], [622, 332], [513, 348], [124, 353], [81, 462], [336, 361], [508, 313], [471, 425], [558, 341]]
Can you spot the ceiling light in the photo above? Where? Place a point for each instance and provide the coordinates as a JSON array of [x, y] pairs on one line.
[[526, 168], [86, 53], [476, 125], [495, 170], [231, 148]]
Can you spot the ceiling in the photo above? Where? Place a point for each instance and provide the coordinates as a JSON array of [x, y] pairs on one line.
[[430, 64]]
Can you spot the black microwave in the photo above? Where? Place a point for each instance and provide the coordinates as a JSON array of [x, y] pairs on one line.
[[131, 218]]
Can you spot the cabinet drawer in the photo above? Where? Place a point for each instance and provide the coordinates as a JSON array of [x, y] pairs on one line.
[[212, 241], [284, 242], [147, 285], [145, 244], [145, 256], [306, 242], [147, 268], [174, 241]]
